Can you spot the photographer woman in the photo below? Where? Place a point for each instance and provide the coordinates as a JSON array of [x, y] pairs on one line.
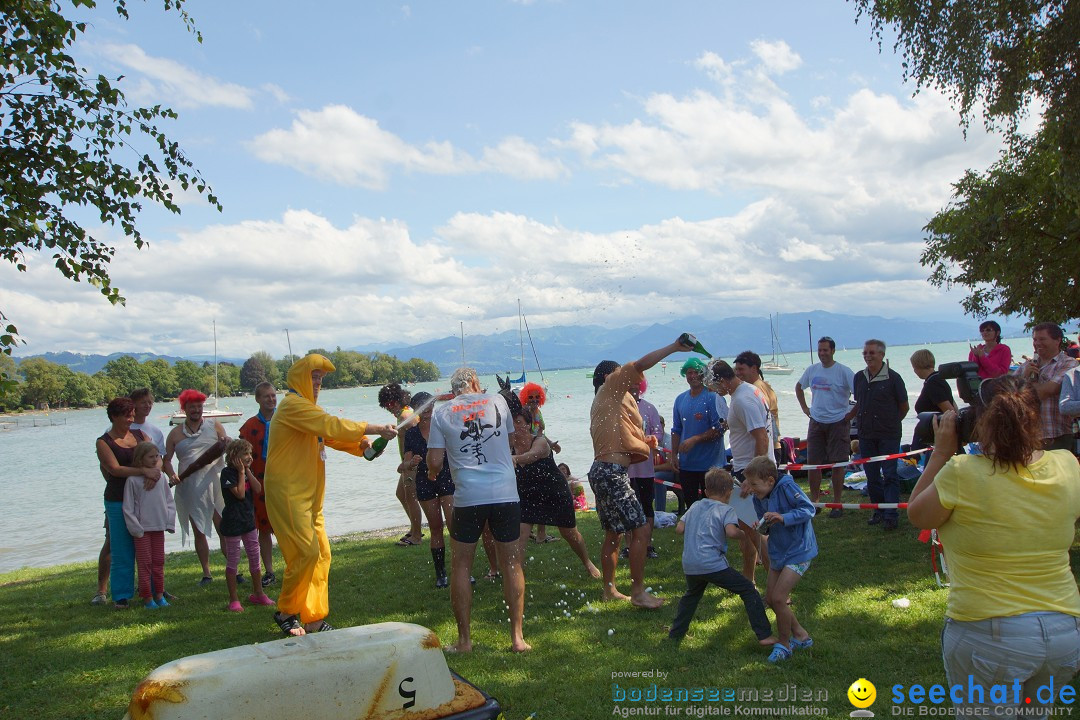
[[1006, 520]]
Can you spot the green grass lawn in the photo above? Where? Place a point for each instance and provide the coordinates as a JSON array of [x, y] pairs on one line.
[[60, 657]]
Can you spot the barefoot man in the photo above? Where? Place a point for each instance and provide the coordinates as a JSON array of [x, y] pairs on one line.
[[618, 442], [474, 429]]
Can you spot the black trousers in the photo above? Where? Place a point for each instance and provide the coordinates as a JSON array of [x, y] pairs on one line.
[[731, 581]]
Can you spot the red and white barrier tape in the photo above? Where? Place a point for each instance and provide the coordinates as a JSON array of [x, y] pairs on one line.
[[859, 461], [863, 506], [670, 484]]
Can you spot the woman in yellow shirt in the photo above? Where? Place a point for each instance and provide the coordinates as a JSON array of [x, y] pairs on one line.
[[1006, 520]]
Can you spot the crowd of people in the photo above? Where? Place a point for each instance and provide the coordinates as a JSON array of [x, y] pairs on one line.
[[480, 465]]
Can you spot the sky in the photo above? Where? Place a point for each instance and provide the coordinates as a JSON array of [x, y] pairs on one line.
[[389, 171]]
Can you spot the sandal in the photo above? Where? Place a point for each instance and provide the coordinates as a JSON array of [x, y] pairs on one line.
[[779, 653], [549, 538], [492, 575], [797, 644], [324, 627], [289, 624], [406, 542]]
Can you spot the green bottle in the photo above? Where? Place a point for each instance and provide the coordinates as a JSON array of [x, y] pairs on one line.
[[376, 448], [692, 342]]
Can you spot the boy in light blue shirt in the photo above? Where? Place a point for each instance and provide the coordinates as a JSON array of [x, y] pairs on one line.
[[706, 526], [786, 513]]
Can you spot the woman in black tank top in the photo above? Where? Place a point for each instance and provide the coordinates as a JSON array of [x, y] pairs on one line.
[[115, 450]]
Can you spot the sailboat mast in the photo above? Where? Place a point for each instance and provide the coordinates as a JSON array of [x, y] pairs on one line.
[[215, 365], [521, 339], [462, 323], [533, 346]]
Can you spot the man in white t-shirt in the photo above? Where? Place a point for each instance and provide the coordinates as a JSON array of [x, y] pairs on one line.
[[144, 403], [828, 437], [474, 430], [748, 437]]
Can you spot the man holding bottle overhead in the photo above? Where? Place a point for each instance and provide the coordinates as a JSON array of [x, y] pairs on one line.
[[618, 442]]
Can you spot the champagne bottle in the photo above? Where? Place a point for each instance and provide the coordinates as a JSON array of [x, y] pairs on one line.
[[691, 341], [376, 448]]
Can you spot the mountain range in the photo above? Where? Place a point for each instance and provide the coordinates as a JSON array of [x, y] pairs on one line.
[[585, 345]]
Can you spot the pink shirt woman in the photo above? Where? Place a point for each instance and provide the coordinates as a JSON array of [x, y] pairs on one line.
[[991, 356]]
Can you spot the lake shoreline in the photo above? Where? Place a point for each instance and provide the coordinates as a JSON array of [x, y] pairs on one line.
[[357, 536]]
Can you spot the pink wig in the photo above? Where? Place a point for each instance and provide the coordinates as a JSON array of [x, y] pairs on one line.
[[643, 386], [190, 395], [529, 390]]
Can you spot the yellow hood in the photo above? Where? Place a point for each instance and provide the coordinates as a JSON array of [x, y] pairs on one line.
[[299, 377]]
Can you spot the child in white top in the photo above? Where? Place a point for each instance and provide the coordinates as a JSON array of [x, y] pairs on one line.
[[148, 512]]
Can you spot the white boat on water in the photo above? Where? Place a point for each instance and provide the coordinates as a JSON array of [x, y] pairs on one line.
[[224, 415], [773, 367], [211, 412]]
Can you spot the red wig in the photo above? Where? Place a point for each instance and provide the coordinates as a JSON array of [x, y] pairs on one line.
[[642, 386], [190, 395], [530, 390]]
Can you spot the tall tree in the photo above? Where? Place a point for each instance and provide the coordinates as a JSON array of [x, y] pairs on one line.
[[43, 382], [1003, 58], [128, 375], [10, 389], [162, 378], [260, 367], [70, 143], [191, 375], [1013, 237]]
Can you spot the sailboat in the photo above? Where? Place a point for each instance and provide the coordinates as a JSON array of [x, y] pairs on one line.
[[211, 413], [773, 367], [521, 340]]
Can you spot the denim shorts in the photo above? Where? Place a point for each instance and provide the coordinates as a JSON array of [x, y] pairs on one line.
[[1033, 649]]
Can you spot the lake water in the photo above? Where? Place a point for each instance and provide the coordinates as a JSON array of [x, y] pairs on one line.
[[52, 489]]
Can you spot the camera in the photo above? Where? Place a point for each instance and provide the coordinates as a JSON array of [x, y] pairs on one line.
[[973, 390]]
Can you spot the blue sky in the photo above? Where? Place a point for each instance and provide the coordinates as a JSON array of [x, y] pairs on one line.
[[390, 170]]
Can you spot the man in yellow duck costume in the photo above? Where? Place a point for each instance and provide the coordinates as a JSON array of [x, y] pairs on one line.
[[295, 484]]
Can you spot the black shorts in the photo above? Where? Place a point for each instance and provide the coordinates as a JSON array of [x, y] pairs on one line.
[[645, 490], [504, 519], [428, 490]]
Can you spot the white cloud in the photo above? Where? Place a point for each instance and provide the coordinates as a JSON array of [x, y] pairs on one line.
[[162, 79], [797, 250], [373, 280], [516, 157], [864, 154], [776, 57], [276, 92], [345, 147], [714, 66]]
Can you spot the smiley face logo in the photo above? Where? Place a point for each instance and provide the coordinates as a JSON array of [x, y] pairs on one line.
[[862, 693]]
